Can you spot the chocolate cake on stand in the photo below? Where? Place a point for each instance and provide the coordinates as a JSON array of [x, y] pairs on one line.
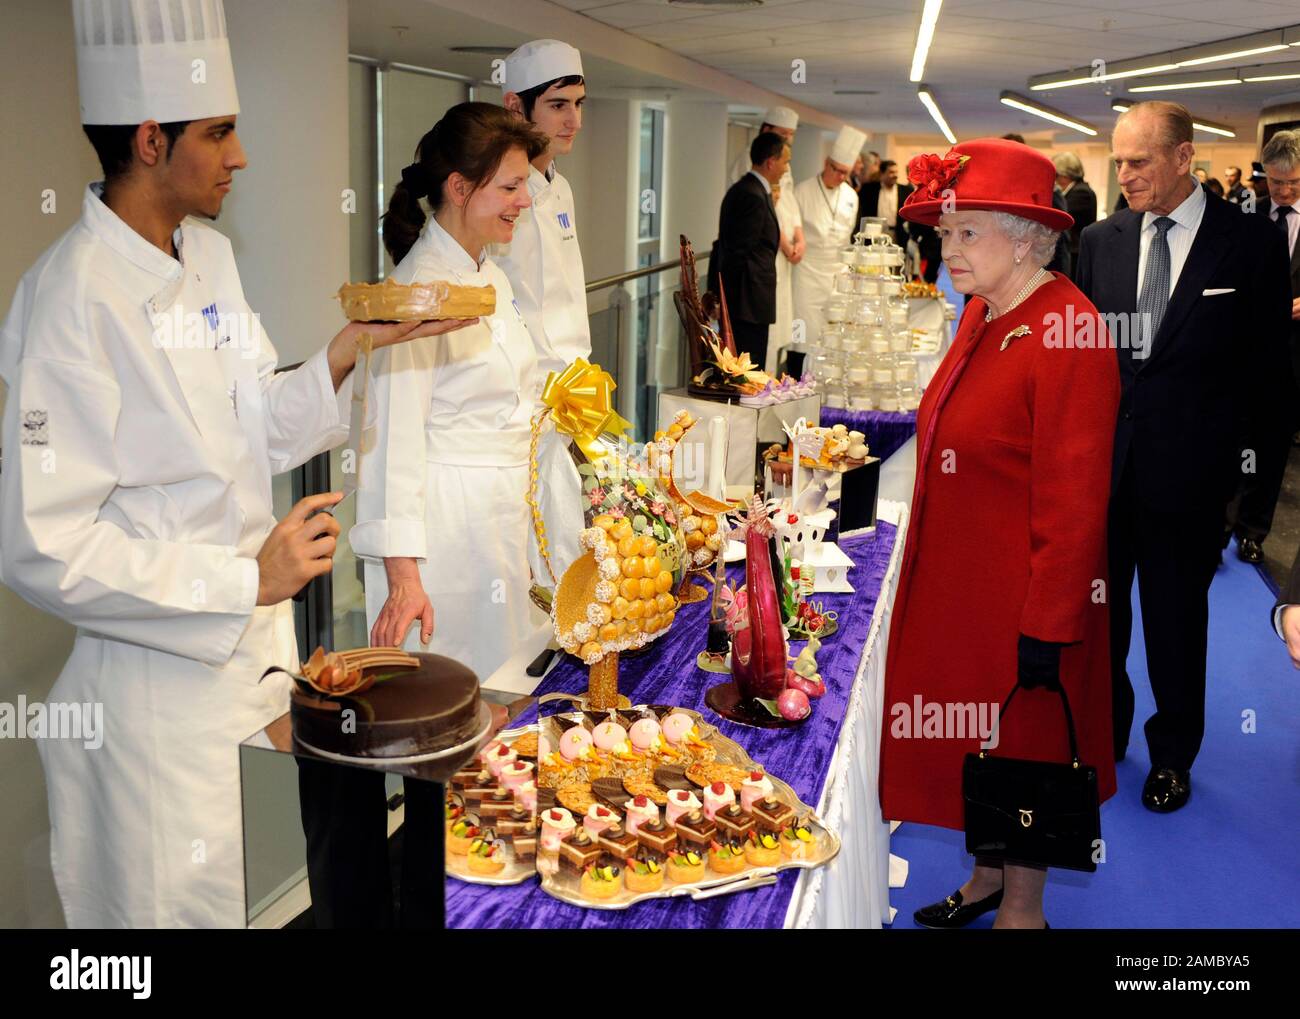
[[424, 721]]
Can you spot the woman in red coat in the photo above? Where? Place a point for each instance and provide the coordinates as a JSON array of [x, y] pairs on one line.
[[1004, 571]]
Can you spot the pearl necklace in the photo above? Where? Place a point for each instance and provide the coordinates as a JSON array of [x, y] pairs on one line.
[[1020, 297]]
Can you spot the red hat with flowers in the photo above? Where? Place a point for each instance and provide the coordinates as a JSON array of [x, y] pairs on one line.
[[993, 174]]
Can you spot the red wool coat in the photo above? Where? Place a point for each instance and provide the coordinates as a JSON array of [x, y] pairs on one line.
[[1007, 536]]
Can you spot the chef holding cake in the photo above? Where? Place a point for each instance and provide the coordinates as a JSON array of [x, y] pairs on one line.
[[544, 86], [441, 520], [135, 501]]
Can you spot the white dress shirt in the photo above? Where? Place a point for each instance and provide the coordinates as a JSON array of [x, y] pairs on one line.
[[1187, 220], [764, 181], [1292, 224], [887, 206]]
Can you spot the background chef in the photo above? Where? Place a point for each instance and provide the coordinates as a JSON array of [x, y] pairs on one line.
[[544, 85], [828, 207], [140, 509], [783, 121]]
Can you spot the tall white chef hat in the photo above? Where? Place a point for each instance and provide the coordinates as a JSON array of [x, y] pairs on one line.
[[163, 60], [848, 146], [781, 116], [537, 62]]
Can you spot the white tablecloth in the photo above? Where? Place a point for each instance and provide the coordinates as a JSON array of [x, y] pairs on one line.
[[853, 891]]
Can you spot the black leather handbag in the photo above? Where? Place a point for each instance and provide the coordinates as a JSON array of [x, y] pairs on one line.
[[1032, 812]]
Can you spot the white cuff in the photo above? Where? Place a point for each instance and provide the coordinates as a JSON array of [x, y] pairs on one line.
[[389, 539]]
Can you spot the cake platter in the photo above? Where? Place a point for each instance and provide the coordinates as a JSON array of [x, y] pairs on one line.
[[821, 845], [516, 870], [460, 750]]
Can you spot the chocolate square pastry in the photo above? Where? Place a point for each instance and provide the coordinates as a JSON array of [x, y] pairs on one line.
[[545, 799], [525, 845], [498, 804], [579, 851], [772, 815], [657, 837], [518, 820], [733, 822], [616, 841], [695, 831], [482, 788], [464, 778]]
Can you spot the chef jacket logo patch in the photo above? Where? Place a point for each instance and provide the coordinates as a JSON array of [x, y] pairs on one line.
[[36, 428], [565, 222], [515, 302], [210, 316]]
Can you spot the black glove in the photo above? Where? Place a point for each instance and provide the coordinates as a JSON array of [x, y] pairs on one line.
[[1039, 664]]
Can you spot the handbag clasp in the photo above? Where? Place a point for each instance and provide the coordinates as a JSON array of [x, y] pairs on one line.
[[1026, 817]]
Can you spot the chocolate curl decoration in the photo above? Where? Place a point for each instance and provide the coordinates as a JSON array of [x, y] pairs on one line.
[[579, 399]]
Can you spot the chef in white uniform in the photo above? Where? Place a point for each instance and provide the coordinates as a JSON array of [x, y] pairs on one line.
[[442, 522], [142, 426], [829, 208], [783, 121], [544, 85]]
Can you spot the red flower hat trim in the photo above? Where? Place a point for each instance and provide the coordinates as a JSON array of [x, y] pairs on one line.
[[933, 174]]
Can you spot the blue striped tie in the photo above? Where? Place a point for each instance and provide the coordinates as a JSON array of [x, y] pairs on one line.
[[1154, 298]]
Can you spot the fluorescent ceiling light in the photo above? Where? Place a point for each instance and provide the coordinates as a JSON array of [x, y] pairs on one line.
[[924, 36], [1270, 41], [927, 100], [1046, 112], [1175, 86], [1124, 105], [1283, 71]]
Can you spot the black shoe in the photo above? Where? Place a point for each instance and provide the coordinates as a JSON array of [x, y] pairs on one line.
[[1166, 789], [1249, 550], [949, 913]]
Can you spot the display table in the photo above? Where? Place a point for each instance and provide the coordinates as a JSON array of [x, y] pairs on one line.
[[746, 426], [886, 430], [831, 761]]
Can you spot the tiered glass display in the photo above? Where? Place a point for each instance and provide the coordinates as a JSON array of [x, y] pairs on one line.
[[861, 360]]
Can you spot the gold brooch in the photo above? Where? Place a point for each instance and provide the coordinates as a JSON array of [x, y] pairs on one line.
[[1017, 331]]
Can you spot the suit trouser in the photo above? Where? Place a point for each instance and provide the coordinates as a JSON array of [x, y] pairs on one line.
[[1174, 554], [1250, 514], [345, 819], [751, 339]]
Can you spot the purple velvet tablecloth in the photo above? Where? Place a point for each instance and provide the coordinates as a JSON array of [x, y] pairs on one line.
[[885, 430], [665, 673]]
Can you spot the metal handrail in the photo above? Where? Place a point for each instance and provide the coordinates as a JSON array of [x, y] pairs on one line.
[[636, 274]]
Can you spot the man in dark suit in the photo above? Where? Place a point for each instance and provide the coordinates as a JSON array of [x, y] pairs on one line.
[[1234, 189], [894, 194], [1080, 199], [1285, 614], [1209, 287], [749, 238], [1250, 515]]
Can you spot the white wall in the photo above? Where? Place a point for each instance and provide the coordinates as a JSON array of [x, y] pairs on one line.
[[285, 216]]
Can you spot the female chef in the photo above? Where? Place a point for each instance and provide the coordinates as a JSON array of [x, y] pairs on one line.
[[441, 517]]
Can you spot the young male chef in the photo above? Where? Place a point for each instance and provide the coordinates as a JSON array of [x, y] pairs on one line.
[[142, 426], [544, 84]]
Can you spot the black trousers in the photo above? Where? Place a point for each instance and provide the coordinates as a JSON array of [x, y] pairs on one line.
[[1174, 554], [751, 339], [1250, 513], [345, 818]]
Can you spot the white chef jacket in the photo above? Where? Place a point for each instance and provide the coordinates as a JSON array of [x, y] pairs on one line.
[[543, 262], [444, 470], [135, 495], [829, 220]]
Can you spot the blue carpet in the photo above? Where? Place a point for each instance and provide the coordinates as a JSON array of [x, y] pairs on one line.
[[1227, 859]]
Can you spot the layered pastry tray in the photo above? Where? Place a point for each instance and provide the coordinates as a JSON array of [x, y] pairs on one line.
[[491, 812], [653, 802]]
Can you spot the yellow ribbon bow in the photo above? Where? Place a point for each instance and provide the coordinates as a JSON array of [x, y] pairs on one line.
[[579, 401]]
